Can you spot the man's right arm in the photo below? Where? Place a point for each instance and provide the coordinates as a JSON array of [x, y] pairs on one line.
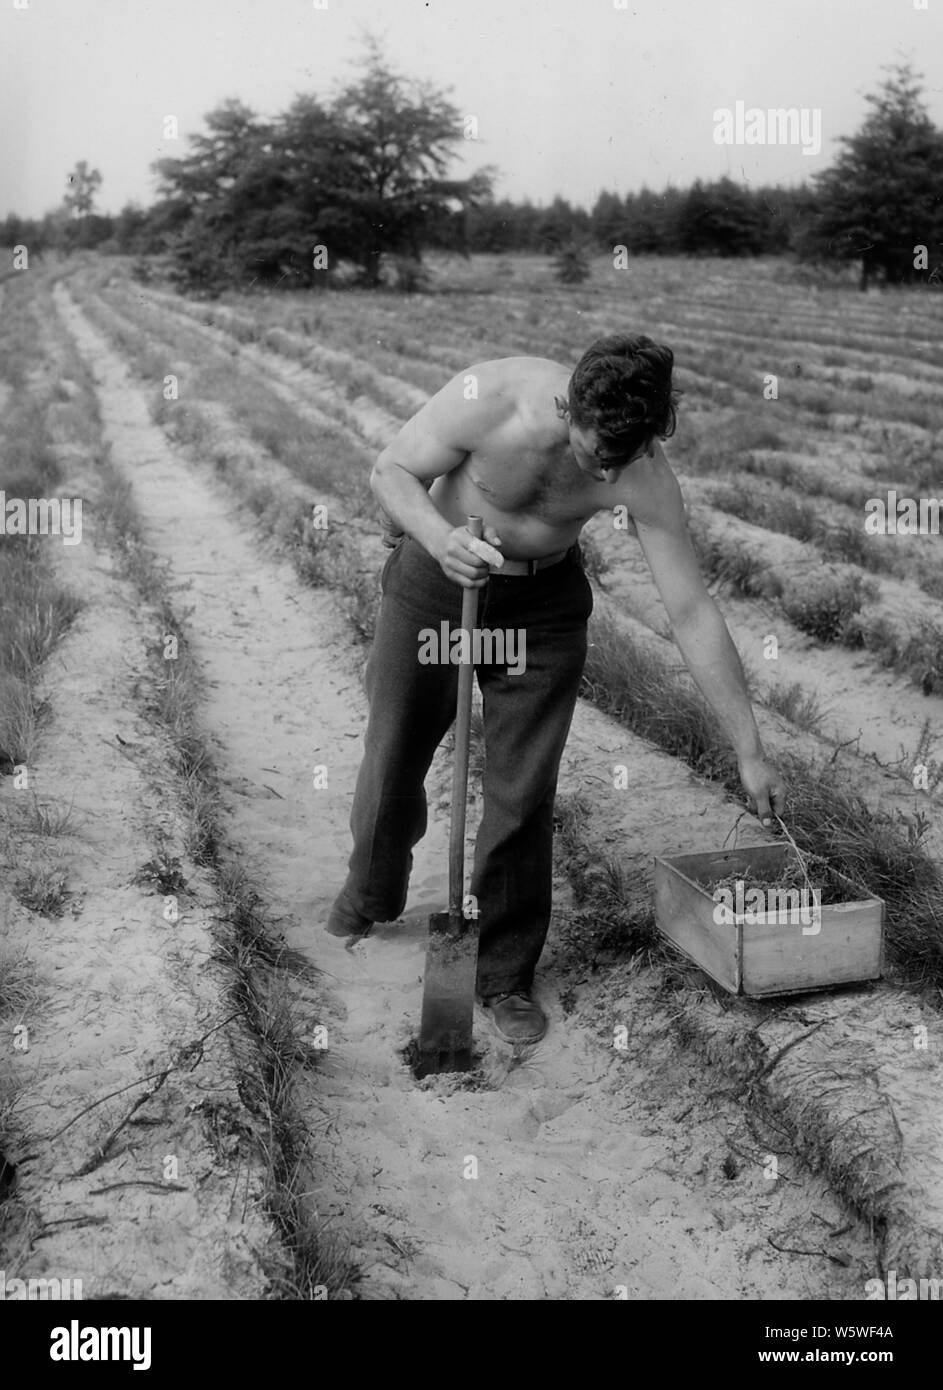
[[434, 442]]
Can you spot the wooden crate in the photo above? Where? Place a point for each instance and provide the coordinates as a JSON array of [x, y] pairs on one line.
[[768, 955]]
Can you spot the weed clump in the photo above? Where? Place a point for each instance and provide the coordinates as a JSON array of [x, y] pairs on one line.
[[822, 604], [571, 264]]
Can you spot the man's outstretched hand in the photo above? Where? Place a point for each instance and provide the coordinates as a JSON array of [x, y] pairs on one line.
[[465, 559], [764, 786]]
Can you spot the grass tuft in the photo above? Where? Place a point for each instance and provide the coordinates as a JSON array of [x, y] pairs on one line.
[[632, 684], [43, 890], [796, 704], [823, 603], [260, 975]]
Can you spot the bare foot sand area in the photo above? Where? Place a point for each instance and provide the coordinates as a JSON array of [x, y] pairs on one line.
[[203, 1094]]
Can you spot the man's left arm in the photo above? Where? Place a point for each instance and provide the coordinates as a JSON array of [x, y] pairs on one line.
[[704, 640]]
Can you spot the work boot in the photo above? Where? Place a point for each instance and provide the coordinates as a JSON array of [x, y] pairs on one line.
[[515, 1016], [345, 920]]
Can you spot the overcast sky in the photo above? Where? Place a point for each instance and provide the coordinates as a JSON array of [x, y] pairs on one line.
[[570, 96]]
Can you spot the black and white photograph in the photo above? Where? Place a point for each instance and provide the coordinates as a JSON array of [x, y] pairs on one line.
[[471, 665]]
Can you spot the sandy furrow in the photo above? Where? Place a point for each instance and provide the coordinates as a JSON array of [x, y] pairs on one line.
[[306, 382], [122, 992]]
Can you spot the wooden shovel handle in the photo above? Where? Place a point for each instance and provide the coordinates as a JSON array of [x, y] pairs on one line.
[[462, 733]]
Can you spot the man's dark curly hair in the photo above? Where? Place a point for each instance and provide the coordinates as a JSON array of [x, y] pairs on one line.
[[621, 388]]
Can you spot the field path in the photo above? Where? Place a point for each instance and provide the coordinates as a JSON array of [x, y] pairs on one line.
[[571, 1172]]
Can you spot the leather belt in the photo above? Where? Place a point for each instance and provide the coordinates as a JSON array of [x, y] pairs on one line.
[[528, 567]]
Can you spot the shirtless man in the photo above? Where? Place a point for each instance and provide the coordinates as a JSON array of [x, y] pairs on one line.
[[536, 451]]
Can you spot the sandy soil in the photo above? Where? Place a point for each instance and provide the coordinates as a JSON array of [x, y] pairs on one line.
[[124, 994], [574, 1171]]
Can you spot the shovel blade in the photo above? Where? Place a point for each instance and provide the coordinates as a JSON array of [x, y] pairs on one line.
[[448, 996]]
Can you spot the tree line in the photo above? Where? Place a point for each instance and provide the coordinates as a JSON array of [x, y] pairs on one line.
[[710, 218], [360, 186]]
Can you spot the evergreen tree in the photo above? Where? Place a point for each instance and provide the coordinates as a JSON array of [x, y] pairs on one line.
[[720, 219], [354, 179], [884, 195]]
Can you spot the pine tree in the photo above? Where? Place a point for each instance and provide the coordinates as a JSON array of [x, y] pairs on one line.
[[883, 197]]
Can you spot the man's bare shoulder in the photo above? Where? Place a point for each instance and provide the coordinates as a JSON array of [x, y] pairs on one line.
[[493, 392], [651, 492], [516, 379], [521, 370]]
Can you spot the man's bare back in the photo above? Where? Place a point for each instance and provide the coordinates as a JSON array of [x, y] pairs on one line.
[[494, 443]]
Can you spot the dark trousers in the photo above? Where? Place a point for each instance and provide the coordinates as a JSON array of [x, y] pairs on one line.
[[527, 718]]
